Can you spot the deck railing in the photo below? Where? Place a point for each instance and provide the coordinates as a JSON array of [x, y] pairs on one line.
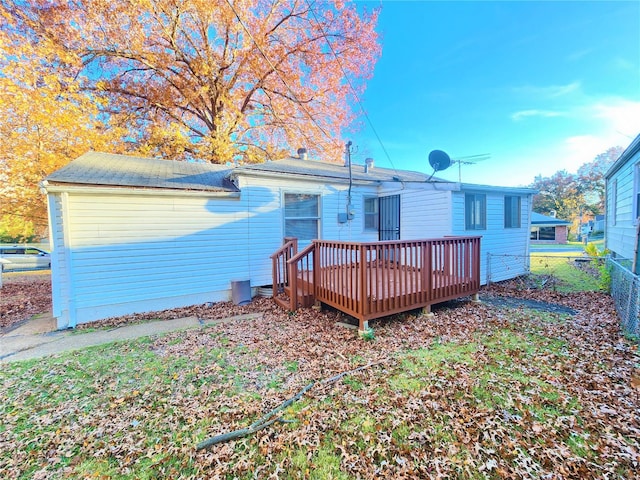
[[371, 280], [301, 278], [280, 270]]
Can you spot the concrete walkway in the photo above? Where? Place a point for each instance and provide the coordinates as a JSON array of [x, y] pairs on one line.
[[37, 337]]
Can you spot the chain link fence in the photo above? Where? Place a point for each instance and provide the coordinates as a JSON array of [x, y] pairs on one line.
[[625, 290]]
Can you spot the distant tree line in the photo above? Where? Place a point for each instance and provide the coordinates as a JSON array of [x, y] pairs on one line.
[[570, 195]]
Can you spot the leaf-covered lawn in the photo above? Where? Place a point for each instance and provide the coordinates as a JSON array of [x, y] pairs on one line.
[[474, 392], [23, 295]]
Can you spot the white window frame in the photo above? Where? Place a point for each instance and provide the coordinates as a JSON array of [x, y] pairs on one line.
[[518, 214], [636, 192], [375, 214], [482, 207], [317, 218], [613, 201]]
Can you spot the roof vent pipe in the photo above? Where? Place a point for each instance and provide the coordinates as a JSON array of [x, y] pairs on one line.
[[368, 165], [302, 153]]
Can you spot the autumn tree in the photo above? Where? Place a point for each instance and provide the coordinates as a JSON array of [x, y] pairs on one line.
[[570, 194], [217, 79], [45, 121], [213, 80], [591, 177], [561, 192]]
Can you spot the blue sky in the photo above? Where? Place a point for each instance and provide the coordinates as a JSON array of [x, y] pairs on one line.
[[539, 85]]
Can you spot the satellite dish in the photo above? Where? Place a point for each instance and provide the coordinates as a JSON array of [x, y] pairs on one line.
[[439, 160]]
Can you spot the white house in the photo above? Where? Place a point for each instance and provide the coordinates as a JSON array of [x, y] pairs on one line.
[[133, 234], [623, 204]]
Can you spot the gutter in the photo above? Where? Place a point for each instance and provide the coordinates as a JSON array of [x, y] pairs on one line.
[[493, 188], [46, 187], [629, 152], [329, 178]]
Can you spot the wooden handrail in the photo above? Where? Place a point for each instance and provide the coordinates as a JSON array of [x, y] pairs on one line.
[[396, 242], [308, 249], [289, 243]]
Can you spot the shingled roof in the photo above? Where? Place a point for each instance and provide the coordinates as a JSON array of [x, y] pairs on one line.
[[537, 219], [334, 171], [107, 169]]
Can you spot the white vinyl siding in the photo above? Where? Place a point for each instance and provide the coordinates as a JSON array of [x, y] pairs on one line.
[[425, 213], [636, 193], [621, 229], [264, 197], [509, 247], [129, 253], [121, 253]]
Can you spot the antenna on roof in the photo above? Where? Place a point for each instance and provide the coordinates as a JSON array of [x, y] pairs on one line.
[[438, 160], [469, 160]]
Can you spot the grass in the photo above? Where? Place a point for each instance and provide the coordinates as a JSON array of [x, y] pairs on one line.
[[475, 406], [566, 276], [39, 272], [125, 379], [571, 245]]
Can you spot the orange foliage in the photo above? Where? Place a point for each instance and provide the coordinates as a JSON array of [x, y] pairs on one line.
[[218, 80], [214, 80], [45, 121]]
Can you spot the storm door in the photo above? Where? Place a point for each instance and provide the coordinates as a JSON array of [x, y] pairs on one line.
[[389, 224]]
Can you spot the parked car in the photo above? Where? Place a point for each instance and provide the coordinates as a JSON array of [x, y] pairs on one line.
[[24, 258]]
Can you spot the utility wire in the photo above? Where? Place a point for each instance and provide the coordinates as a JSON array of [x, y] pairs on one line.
[[353, 90], [246, 29]]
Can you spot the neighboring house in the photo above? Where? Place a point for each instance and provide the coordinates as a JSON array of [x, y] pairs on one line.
[[598, 224], [623, 204], [546, 229], [135, 234]]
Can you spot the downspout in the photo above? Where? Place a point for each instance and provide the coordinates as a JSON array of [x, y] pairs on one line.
[[347, 156]]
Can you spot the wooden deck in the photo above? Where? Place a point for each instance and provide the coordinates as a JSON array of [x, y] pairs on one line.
[[372, 280]]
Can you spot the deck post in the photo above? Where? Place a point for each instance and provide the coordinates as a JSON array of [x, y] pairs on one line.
[[274, 275], [427, 270], [316, 272], [363, 303], [293, 285], [363, 327]]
